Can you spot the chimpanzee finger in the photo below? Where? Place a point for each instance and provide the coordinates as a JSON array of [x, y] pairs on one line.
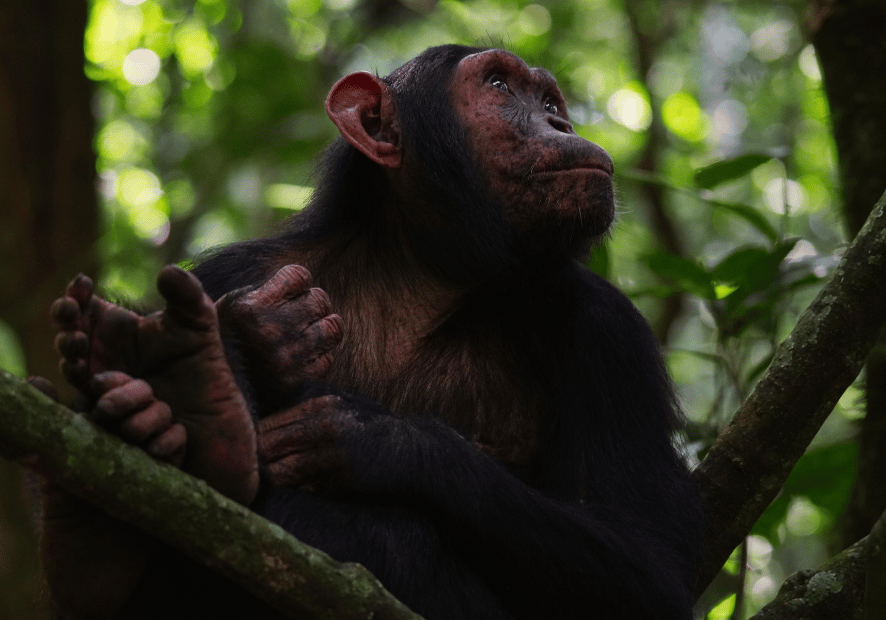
[[185, 298], [288, 472], [328, 332], [289, 282], [72, 344], [65, 313], [104, 381], [317, 302], [73, 347], [311, 426], [121, 400], [297, 414], [81, 289], [316, 470], [317, 367], [44, 386], [152, 419], [310, 353], [170, 445], [76, 371], [282, 443]]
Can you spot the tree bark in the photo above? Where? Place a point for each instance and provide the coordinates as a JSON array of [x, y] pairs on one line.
[[833, 592], [185, 512], [49, 222], [47, 168]]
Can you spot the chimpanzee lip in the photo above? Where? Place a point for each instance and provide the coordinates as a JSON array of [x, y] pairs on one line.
[[577, 166]]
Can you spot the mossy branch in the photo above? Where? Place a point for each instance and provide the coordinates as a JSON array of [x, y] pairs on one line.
[[185, 512]]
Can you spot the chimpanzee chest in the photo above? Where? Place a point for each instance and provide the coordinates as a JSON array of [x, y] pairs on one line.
[[468, 383]]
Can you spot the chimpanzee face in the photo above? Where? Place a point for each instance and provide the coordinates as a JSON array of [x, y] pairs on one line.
[[519, 132]]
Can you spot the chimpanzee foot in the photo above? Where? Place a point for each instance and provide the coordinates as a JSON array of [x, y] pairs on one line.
[[94, 335], [184, 360]]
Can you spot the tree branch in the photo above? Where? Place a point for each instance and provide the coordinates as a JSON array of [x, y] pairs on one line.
[[751, 459], [185, 512], [849, 586], [833, 592], [875, 594]]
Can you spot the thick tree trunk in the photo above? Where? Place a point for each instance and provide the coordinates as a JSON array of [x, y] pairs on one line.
[[49, 221]]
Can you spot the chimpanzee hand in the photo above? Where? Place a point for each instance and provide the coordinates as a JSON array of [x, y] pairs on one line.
[[347, 445], [298, 445], [284, 328]]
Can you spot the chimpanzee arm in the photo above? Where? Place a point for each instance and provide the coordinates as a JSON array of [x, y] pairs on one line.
[[537, 553]]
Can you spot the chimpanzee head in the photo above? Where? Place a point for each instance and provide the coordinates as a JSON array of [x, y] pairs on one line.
[[471, 153]]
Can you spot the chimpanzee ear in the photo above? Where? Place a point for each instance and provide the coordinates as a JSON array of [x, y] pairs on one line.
[[362, 107]]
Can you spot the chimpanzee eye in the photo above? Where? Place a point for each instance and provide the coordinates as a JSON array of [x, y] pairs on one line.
[[498, 82], [551, 107]]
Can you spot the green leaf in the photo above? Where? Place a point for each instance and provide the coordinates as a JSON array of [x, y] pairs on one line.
[[752, 268], [653, 178], [759, 367], [713, 358], [754, 217], [749, 214], [810, 279], [728, 170], [736, 268], [689, 276]]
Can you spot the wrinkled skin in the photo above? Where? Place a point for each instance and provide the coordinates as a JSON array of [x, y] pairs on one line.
[[285, 329], [519, 129], [299, 444]]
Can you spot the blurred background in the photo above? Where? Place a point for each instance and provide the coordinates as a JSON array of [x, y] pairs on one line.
[[136, 133]]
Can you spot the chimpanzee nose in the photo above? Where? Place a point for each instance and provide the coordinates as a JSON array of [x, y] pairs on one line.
[[559, 124]]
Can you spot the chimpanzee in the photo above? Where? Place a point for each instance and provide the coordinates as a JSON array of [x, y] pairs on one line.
[[494, 435]]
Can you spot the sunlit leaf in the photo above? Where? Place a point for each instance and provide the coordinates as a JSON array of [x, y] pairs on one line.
[[12, 358], [723, 610]]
